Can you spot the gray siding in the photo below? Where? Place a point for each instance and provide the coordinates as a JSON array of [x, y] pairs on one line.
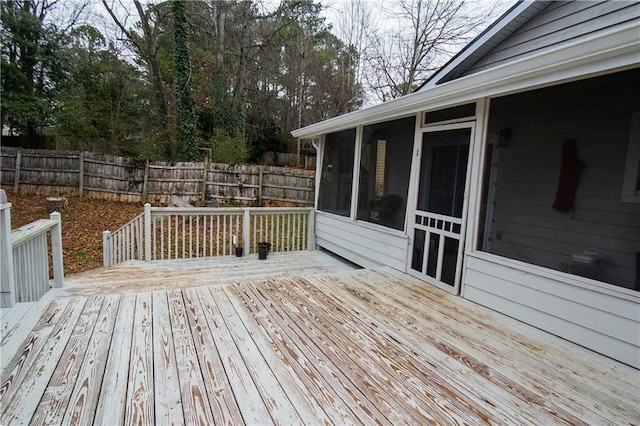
[[559, 23], [363, 244], [525, 226], [604, 321]]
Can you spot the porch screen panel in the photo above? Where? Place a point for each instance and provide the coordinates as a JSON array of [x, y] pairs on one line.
[[597, 235], [337, 172], [385, 165]]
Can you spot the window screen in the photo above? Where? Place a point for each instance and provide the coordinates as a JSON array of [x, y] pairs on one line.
[[337, 173], [385, 165]]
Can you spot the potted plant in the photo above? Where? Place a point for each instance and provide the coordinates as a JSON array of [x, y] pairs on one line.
[[263, 249]]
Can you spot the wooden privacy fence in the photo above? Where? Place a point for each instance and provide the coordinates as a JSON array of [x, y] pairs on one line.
[[24, 258], [181, 233], [110, 177]]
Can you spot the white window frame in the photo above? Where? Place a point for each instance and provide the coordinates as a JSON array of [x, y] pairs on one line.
[[630, 192]]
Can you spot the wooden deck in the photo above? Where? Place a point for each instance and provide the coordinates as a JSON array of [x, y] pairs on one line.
[[342, 346]]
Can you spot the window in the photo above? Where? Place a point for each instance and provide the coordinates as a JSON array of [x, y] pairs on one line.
[[450, 114], [631, 182], [337, 173], [385, 165]]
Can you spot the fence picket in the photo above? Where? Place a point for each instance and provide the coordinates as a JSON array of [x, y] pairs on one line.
[[118, 178]]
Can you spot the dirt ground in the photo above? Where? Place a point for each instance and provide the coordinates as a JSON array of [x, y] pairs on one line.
[[83, 222]]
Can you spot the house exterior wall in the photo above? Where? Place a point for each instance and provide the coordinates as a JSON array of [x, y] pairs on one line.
[[361, 243], [603, 319], [560, 22], [518, 274]]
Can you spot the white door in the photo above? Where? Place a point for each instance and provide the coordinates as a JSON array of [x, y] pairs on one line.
[[438, 222]]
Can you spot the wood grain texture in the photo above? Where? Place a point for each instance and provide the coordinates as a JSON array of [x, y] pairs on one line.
[[222, 402], [192, 389], [168, 401], [83, 400], [113, 392], [140, 397], [351, 347], [39, 359], [57, 396]]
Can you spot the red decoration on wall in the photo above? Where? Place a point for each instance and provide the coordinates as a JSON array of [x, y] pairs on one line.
[[570, 172]]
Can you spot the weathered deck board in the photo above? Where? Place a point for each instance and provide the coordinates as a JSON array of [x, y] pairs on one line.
[[84, 398], [491, 345], [381, 357], [140, 400], [343, 389], [28, 377], [252, 408], [305, 404], [350, 347], [290, 357], [281, 400], [56, 398], [193, 393], [168, 402], [113, 392], [386, 394], [17, 323], [447, 371], [169, 274], [222, 402]]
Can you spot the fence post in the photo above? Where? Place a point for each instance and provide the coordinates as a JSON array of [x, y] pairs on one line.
[[56, 250], [147, 232], [16, 175], [246, 229], [260, 180], [106, 248], [205, 173], [7, 277], [311, 230], [145, 181], [81, 174]]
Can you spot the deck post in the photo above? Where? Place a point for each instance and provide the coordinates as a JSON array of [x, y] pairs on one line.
[[7, 277], [56, 250], [246, 229], [311, 230], [106, 248], [147, 232]]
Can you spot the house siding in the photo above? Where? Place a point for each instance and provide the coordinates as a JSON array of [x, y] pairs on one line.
[[363, 244], [559, 23], [601, 320]]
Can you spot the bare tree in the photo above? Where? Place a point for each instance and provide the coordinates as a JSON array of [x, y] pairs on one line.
[[356, 26], [144, 44], [427, 34]]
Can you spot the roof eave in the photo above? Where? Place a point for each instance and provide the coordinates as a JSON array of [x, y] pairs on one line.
[[612, 49]]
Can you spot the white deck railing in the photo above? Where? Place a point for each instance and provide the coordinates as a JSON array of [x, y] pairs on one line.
[[24, 258], [126, 243], [181, 233]]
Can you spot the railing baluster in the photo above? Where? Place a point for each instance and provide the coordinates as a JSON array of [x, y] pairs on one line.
[[210, 235], [198, 236], [161, 237], [224, 237]]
